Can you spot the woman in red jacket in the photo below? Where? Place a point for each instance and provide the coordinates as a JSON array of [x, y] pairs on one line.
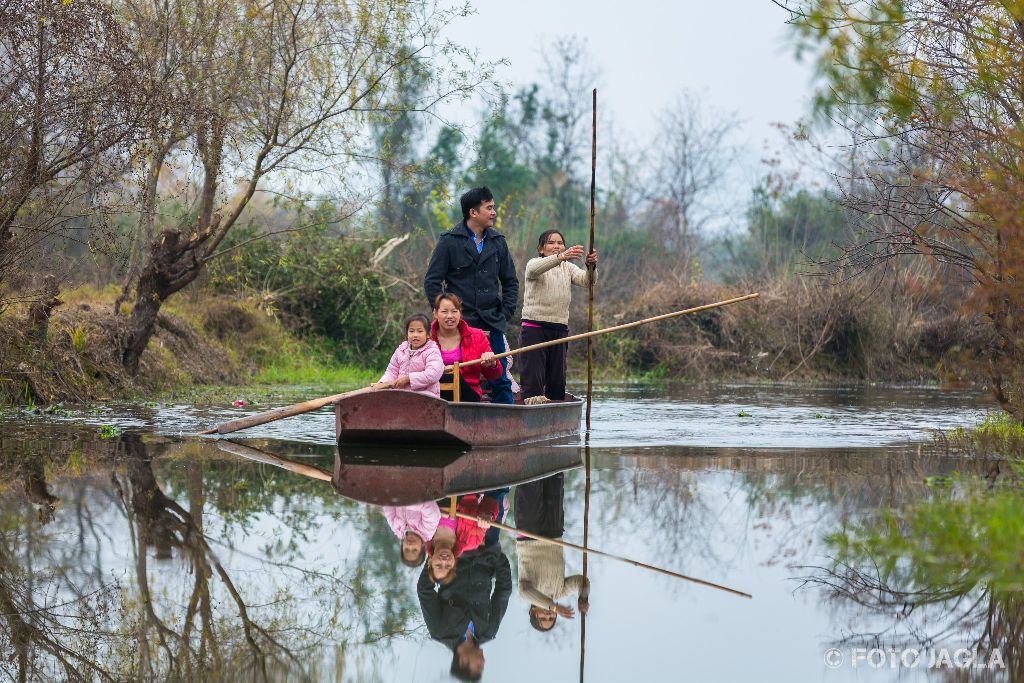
[[460, 343]]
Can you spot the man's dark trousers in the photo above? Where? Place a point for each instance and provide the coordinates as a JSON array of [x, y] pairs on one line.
[[501, 388]]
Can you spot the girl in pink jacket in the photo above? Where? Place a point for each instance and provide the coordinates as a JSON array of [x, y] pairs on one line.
[[416, 364], [414, 525]]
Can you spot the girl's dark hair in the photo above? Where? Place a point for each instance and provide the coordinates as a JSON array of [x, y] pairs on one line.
[[544, 238], [420, 318], [454, 298], [415, 562]]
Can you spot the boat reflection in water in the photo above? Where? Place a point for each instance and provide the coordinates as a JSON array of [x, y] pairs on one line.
[[406, 476]]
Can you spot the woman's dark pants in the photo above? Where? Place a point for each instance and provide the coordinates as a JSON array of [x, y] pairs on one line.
[[542, 371]]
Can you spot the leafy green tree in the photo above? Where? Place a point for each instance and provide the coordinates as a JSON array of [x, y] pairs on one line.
[[320, 280]]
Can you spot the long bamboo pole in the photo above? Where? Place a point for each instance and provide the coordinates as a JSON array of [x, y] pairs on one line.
[[591, 268], [616, 328], [594, 551], [317, 403]]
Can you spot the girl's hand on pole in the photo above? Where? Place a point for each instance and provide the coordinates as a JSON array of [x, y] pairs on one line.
[[402, 381], [488, 359], [592, 257]]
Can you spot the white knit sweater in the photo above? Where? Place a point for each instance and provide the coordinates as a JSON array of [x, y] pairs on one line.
[[548, 288], [542, 579]]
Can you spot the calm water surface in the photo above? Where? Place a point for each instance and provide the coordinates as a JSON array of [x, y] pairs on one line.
[[154, 555]]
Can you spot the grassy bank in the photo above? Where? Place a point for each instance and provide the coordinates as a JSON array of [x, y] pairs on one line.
[[199, 341], [799, 330]]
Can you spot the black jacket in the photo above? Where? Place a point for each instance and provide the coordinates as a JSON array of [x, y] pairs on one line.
[[448, 610], [455, 267]]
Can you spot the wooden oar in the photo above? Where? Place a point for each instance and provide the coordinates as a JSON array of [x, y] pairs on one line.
[[593, 551], [249, 453], [286, 411], [607, 330]]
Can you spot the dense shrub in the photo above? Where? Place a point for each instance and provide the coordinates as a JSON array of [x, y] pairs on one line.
[[320, 283]]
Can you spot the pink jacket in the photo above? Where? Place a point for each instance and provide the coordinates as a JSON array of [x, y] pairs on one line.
[[421, 519], [423, 365]]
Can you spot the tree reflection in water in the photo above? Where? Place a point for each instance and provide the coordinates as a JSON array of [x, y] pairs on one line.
[[82, 599], [945, 571]]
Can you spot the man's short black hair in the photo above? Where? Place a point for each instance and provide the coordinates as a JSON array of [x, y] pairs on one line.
[[461, 673], [473, 199]]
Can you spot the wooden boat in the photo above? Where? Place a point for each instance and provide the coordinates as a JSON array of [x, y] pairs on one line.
[[393, 417], [404, 477]]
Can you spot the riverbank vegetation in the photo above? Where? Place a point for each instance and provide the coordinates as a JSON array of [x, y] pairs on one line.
[[195, 242], [946, 562]]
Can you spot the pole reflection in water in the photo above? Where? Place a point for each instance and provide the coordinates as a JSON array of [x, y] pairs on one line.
[[586, 538]]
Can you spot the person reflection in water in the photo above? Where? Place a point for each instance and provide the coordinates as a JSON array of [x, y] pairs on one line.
[[414, 525], [542, 579], [456, 536], [464, 611]]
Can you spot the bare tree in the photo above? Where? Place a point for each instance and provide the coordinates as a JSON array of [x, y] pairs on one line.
[[286, 91], [690, 158], [72, 104], [932, 91], [569, 77]]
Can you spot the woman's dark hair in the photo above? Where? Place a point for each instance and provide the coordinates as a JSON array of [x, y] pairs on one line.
[[454, 298], [446, 580], [473, 199], [535, 622], [544, 238], [417, 318]]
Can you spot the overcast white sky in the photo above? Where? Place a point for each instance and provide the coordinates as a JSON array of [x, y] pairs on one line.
[[734, 53]]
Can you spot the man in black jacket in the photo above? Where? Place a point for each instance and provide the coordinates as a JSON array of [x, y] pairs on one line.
[[472, 261], [467, 612]]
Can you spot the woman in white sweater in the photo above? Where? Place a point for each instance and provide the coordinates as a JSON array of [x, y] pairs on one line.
[[549, 280]]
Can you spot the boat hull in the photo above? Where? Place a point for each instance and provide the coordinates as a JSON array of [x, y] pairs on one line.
[[393, 417]]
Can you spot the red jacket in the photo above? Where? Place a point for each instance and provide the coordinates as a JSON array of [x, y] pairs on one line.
[[468, 534], [474, 344]]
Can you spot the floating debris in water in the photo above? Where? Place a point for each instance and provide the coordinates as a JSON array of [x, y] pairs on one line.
[[109, 431]]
